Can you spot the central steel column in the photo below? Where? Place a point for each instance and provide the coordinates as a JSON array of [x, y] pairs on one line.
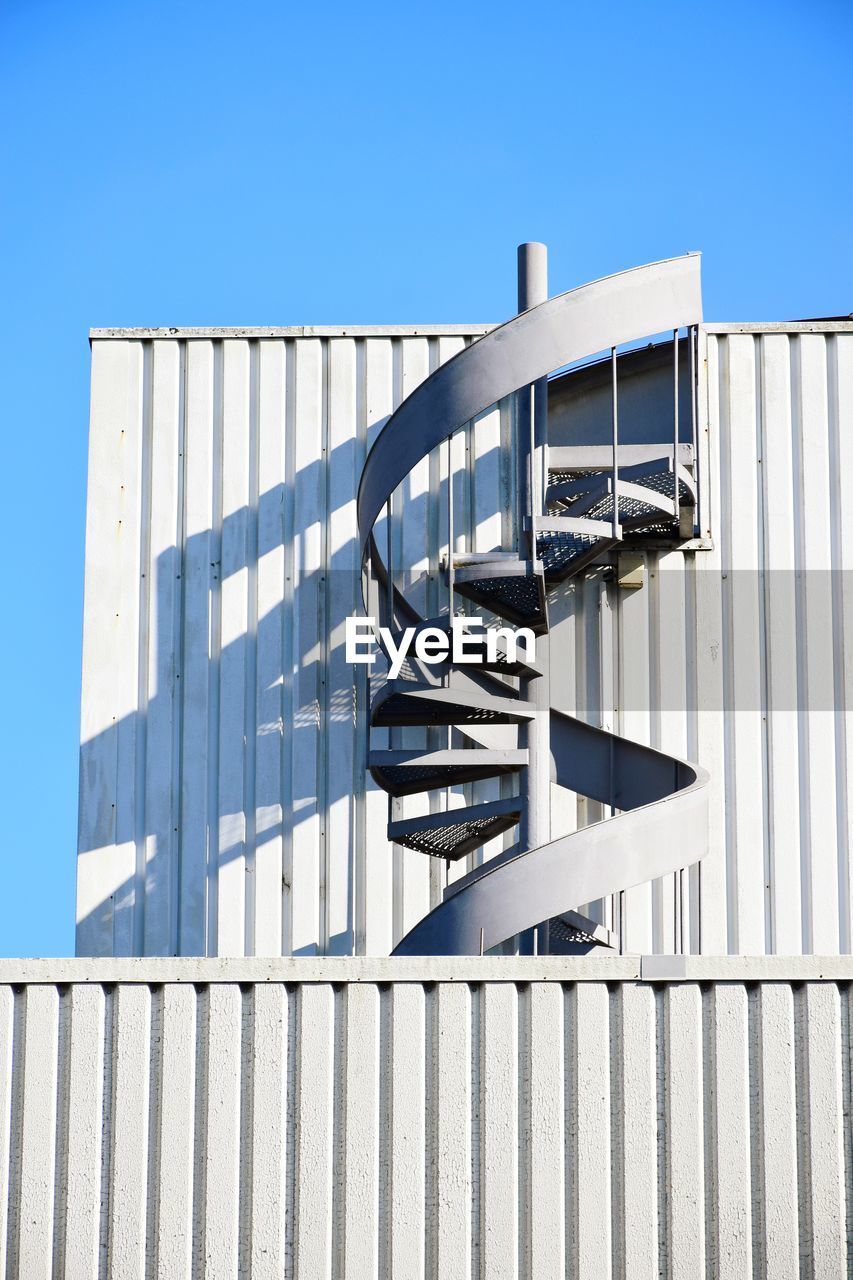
[[535, 827]]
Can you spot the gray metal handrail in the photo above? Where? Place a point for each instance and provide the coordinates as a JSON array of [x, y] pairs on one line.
[[663, 823]]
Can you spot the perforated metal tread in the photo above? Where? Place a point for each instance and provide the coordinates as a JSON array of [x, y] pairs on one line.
[[517, 596], [501, 665], [407, 773], [401, 703], [452, 833]]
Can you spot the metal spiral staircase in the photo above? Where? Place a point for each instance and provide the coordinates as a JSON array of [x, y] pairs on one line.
[[579, 503]]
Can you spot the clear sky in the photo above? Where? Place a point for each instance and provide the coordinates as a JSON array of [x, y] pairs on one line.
[[272, 163]]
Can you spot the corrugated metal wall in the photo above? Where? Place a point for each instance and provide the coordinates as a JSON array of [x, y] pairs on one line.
[[740, 656], [495, 1125], [225, 807], [223, 798]]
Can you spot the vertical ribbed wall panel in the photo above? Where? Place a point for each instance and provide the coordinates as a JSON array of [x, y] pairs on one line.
[[738, 655], [502, 1129], [225, 804]]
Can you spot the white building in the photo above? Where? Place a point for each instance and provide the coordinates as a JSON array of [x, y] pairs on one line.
[[235, 1077]]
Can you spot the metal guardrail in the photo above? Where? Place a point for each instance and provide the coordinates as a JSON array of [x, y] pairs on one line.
[[581, 510]]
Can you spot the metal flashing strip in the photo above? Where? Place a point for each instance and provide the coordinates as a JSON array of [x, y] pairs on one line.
[[342, 970], [295, 331], [780, 326]]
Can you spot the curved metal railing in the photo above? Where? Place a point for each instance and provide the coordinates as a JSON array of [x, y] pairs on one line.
[[662, 823]]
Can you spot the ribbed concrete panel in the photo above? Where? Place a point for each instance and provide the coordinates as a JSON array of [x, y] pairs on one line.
[[225, 806], [366, 1125]]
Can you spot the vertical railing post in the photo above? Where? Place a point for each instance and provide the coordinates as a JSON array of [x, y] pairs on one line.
[[675, 405], [617, 531], [694, 418], [535, 825]]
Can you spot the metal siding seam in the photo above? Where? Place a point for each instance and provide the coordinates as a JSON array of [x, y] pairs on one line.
[[634, 659], [693, 933], [711, 721], [342, 583], [97, 812], [744, 632], [818, 655], [179, 624], [379, 855], [323, 722], [836, 508], [160, 590], [288, 651], [270, 677], [436, 521], [395, 740], [306, 751], [361, 703], [196, 574], [728, 761], [126, 659], [413, 501], [780, 645], [139, 810], [843, 398], [234, 643], [250, 695], [764, 679], [215, 658]]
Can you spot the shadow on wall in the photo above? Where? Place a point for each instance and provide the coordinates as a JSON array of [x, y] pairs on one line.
[[227, 813]]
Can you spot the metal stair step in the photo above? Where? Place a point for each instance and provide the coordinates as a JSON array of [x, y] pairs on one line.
[[452, 833], [513, 589], [563, 554], [408, 772], [566, 487], [401, 702], [519, 666]]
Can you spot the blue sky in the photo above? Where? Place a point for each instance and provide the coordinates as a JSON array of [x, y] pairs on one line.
[[195, 164]]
